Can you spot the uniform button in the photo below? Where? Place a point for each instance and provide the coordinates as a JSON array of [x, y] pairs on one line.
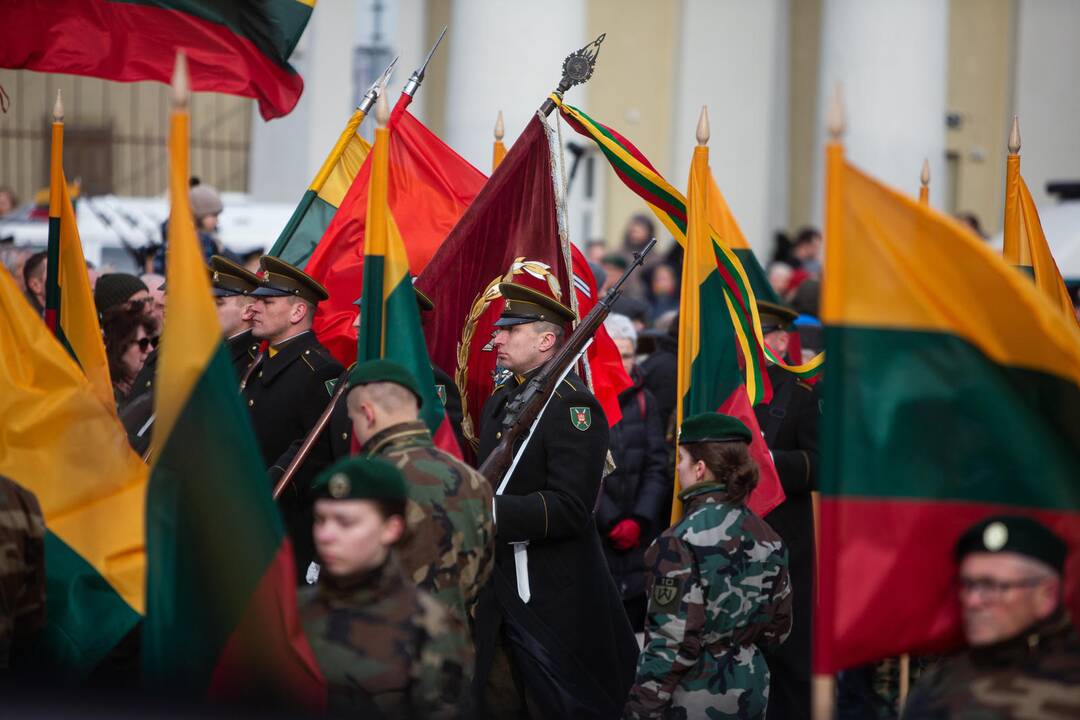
[[260, 373], [498, 435], [344, 436], [251, 403]]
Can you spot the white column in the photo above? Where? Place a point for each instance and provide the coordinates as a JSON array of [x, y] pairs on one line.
[[890, 58], [733, 57]]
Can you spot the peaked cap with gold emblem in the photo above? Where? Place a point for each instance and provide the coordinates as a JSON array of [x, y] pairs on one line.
[[526, 305], [229, 279], [282, 280]]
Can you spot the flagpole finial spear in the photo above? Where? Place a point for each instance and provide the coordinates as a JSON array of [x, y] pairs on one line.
[[368, 101], [181, 90], [1014, 135], [382, 109], [703, 126], [577, 68], [835, 119], [500, 129], [924, 176], [58, 108], [418, 75]]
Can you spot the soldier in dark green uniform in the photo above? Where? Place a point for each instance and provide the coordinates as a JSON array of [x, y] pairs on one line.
[[386, 649], [448, 546], [717, 587], [1023, 654], [291, 385]]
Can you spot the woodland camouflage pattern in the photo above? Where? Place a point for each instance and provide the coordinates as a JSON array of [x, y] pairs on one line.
[[448, 546], [386, 649], [1034, 676], [22, 567], [717, 585]]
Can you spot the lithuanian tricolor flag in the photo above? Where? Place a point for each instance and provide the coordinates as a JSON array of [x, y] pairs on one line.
[[709, 377], [953, 393], [239, 48], [389, 315], [221, 616], [60, 442], [321, 200]]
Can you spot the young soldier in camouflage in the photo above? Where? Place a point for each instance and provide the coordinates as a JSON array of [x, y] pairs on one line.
[[448, 545], [387, 650], [717, 587], [22, 568]]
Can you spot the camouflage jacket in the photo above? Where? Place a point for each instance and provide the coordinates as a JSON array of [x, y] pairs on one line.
[[717, 587], [448, 547], [22, 567], [1034, 675], [385, 648]]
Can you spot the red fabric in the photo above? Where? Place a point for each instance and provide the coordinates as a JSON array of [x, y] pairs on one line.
[[128, 42], [769, 492], [886, 575], [609, 377], [626, 535], [430, 188], [267, 658], [512, 217]]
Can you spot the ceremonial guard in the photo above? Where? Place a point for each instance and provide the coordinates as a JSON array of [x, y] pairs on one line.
[[717, 586], [790, 425], [1023, 654], [292, 384], [447, 548], [553, 639], [386, 648]]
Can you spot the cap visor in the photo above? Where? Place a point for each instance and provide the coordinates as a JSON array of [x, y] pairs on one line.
[[507, 321], [266, 291]]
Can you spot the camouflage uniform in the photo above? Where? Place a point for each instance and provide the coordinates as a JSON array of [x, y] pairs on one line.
[[22, 567], [717, 586], [1035, 675], [385, 648], [448, 547]]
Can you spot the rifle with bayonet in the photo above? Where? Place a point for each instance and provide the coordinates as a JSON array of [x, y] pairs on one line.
[[525, 409]]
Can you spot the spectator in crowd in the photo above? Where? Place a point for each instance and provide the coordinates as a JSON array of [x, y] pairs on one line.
[[91, 275], [615, 265], [780, 277], [660, 374], [636, 310], [806, 251], [155, 306], [206, 208], [663, 291], [635, 494], [33, 274], [639, 230], [971, 221], [22, 571], [8, 201], [595, 250], [119, 289], [130, 335], [14, 259], [250, 260]]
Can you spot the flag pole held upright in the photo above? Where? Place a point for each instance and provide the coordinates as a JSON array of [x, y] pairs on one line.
[[56, 181], [924, 183]]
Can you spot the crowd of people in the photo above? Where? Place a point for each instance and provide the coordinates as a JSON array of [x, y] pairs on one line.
[[428, 590]]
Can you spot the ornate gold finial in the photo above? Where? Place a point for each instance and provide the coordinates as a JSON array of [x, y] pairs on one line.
[[181, 84], [924, 176], [58, 108], [382, 108], [1014, 136], [835, 118], [703, 126], [500, 129]]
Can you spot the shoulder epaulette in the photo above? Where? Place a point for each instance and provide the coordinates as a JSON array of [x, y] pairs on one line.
[[799, 382]]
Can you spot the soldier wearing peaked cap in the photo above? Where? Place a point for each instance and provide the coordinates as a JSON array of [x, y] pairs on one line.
[[553, 639], [1023, 654], [292, 384]]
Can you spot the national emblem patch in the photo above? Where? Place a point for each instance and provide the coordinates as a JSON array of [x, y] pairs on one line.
[[440, 390], [665, 594], [330, 387], [581, 418]]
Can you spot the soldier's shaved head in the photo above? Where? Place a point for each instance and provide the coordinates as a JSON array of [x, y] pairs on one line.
[[379, 405]]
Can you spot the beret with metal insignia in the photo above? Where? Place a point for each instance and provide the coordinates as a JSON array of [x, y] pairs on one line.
[[282, 279], [713, 427], [1014, 534], [360, 478], [374, 371]]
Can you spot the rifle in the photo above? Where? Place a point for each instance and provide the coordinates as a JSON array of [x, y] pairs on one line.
[[524, 411], [313, 435]]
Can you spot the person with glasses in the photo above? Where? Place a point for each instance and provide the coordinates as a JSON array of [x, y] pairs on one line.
[[1023, 654], [130, 335]]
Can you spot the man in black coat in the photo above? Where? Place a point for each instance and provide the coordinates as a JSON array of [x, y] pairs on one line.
[[790, 425], [291, 386], [552, 637]]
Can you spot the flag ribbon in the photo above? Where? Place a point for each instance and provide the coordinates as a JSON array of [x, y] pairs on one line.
[[669, 206]]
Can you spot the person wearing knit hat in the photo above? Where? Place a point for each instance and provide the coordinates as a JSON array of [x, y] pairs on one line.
[[384, 646], [116, 289], [1023, 654]]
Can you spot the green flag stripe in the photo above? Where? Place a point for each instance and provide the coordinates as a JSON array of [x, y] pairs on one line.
[[304, 230], [405, 345], [714, 372]]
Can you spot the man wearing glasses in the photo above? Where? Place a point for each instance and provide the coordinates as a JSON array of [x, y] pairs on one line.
[[1023, 655]]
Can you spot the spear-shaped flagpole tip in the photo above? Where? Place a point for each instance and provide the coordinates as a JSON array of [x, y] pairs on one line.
[[58, 108], [384, 79], [1014, 136], [835, 119], [924, 176], [500, 129], [417, 77], [181, 84], [382, 108], [703, 126]]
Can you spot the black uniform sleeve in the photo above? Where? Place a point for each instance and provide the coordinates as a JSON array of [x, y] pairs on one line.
[[654, 488], [575, 462], [798, 467]]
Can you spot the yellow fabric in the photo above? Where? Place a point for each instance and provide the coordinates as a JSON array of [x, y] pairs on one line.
[[61, 443], [498, 152], [895, 264], [340, 167], [78, 315], [192, 331]]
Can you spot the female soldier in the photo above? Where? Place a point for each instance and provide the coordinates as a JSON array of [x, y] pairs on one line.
[[717, 586]]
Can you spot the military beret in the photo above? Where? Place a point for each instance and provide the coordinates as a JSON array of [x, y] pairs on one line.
[[360, 478], [775, 317], [282, 279], [374, 371], [713, 427], [1014, 534], [228, 278], [423, 301], [526, 305]]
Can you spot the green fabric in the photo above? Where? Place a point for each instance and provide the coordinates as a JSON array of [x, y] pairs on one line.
[[374, 371], [212, 531], [927, 415], [360, 478], [714, 373], [713, 427], [759, 281], [304, 230]]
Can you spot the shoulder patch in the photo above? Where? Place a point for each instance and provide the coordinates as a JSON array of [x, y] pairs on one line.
[[330, 386], [665, 595], [581, 417], [440, 391], [799, 382]]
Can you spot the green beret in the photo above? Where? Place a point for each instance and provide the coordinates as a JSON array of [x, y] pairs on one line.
[[374, 371], [360, 478], [1014, 534], [713, 427]]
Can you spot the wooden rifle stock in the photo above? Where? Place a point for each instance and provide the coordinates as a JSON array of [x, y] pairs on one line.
[[312, 436]]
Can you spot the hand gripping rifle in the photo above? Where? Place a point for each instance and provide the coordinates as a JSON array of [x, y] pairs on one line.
[[524, 411]]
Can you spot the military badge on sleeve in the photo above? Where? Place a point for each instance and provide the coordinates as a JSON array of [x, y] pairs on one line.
[[581, 418], [440, 390], [330, 386], [665, 594]]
